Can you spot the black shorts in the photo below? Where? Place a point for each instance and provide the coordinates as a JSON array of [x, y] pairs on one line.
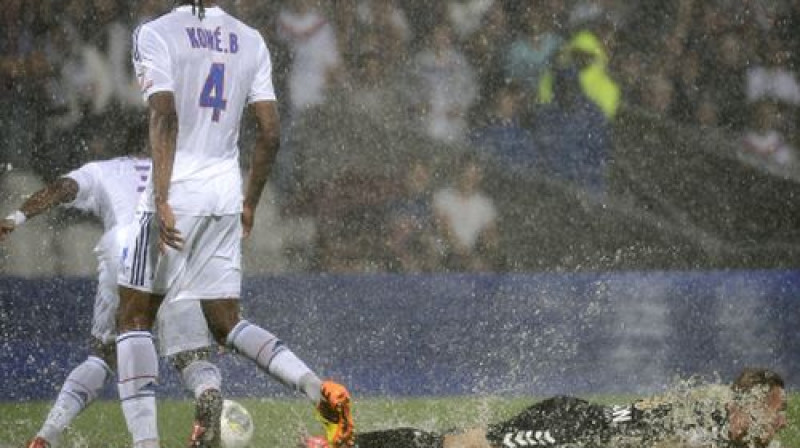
[[559, 420], [399, 438]]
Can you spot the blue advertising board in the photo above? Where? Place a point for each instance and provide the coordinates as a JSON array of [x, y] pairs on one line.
[[450, 334]]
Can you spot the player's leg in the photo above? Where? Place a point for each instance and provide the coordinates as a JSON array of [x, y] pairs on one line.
[[138, 365], [85, 381], [201, 377], [143, 278], [184, 337], [274, 357], [261, 346], [82, 386], [214, 277]]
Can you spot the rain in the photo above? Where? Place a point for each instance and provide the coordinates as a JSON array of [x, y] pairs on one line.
[[476, 204]]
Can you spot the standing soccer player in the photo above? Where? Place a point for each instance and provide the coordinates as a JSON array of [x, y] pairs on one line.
[[198, 68], [110, 190]]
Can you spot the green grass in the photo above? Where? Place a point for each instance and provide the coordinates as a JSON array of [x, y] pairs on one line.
[[279, 422]]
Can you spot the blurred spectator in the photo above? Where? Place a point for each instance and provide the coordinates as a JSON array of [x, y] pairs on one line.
[[725, 56], [766, 136], [149, 9], [466, 16], [773, 79], [23, 75], [112, 42], [501, 135], [706, 112], [446, 87], [411, 238], [466, 219], [486, 48], [688, 94], [631, 67], [70, 87], [316, 62], [574, 135], [534, 48], [658, 93], [387, 21], [380, 94], [586, 52]]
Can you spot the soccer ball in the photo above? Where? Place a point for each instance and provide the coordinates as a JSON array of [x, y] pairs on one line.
[[237, 425]]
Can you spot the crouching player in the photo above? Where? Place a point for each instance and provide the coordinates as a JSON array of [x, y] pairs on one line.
[[110, 190], [747, 413]]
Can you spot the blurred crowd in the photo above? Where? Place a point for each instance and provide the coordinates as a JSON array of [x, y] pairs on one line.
[[395, 112]]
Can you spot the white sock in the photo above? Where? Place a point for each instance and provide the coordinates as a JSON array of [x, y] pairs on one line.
[[81, 388], [311, 385], [200, 376], [274, 357], [137, 363]]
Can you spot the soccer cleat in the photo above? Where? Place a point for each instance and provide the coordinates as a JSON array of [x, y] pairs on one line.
[[334, 413], [206, 431], [38, 442]]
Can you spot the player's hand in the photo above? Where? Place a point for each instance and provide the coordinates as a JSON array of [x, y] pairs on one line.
[[248, 218], [168, 234], [6, 227]]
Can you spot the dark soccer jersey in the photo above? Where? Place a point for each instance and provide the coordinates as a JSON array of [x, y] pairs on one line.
[[572, 422]]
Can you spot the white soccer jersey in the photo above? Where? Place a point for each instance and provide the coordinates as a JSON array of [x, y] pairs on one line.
[[214, 67], [109, 189]]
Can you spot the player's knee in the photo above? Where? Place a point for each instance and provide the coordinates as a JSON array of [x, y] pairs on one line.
[[105, 351], [137, 310], [87, 380], [222, 316]]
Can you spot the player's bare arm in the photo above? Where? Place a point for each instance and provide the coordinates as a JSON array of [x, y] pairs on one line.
[[264, 153], [163, 138], [60, 191]]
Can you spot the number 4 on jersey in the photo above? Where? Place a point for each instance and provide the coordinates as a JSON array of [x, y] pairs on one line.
[[213, 90]]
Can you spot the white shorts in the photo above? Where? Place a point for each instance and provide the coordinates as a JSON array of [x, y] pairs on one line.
[[190, 333], [208, 266]]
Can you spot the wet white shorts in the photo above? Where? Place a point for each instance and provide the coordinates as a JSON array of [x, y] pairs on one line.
[[208, 266], [190, 333]]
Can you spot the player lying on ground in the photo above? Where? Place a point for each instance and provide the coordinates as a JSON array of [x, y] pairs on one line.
[[110, 190], [196, 209], [747, 413]]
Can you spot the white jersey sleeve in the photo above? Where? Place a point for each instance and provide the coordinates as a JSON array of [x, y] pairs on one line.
[[262, 88], [152, 62], [88, 185]]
